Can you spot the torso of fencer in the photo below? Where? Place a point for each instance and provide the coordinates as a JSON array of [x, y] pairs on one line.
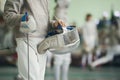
[[39, 10], [89, 32]]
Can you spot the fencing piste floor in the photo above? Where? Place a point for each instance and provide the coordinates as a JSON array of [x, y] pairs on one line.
[[101, 73]]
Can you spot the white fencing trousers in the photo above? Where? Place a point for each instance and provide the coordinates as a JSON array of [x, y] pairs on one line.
[[49, 58], [61, 66], [115, 50], [86, 57], [37, 62], [98, 53]]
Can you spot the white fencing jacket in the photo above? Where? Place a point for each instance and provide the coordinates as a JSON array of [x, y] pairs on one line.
[[89, 34], [14, 10]]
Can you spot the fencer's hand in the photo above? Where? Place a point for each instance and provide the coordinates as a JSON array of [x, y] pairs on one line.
[[57, 22], [29, 25]]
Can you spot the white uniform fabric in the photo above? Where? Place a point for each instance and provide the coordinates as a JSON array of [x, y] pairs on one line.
[[112, 51], [86, 57], [89, 35], [61, 66], [8, 40], [49, 58], [61, 43], [14, 10], [28, 26], [6, 34], [36, 63], [89, 38], [62, 62], [63, 58], [63, 3]]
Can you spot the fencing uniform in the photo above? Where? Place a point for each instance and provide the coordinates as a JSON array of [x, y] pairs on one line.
[[113, 48], [49, 59], [62, 62], [61, 66], [38, 9], [89, 38], [2, 3]]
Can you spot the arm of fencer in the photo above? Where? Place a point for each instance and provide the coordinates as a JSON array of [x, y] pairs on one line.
[[12, 14], [57, 43], [66, 49], [48, 43]]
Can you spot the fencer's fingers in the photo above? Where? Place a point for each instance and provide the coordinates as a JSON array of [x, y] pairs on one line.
[[56, 24], [61, 23]]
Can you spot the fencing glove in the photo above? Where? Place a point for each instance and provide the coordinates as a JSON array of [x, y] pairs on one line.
[[28, 26]]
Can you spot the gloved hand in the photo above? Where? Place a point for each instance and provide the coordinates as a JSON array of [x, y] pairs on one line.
[[59, 23], [28, 24], [56, 28]]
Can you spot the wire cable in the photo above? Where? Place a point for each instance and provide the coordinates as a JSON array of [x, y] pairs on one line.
[[28, 57]]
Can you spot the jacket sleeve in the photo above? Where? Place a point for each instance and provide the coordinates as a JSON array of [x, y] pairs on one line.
[[12, 14]]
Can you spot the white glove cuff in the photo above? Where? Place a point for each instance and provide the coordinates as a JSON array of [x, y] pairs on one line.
[[28, 26]]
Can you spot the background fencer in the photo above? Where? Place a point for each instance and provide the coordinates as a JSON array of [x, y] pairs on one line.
[[32, 18], [49, 59], [113, 46], [89, 31], [111, 52], [62, 62], [103, 31]]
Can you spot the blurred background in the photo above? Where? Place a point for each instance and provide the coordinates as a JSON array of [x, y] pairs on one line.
[[79, 8], [98, 54]]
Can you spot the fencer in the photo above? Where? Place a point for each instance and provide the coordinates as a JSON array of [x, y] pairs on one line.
[[112, 51], [103, 31], [49, 59], [113, 47], [62, 61], [89, 31], [35, 25]]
